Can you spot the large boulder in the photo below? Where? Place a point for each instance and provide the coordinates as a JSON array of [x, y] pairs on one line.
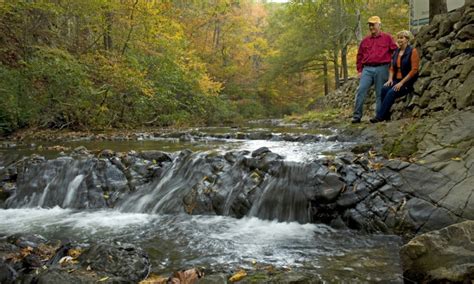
[[446, 255]]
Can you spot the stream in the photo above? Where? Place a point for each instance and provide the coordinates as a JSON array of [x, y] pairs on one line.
[[220, 244]]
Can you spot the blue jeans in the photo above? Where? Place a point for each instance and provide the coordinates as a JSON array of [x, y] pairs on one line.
[[388, 98], [370, 75]]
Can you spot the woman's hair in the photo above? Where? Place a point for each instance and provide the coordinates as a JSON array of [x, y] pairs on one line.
[[407, 34]]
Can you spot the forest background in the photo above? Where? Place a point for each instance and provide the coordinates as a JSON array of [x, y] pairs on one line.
[[99, 64]]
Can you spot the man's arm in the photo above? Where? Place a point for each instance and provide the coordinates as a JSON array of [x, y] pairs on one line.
[[360, 55], [392, 46]]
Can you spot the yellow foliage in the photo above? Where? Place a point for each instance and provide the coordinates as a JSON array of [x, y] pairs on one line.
[[154, 279], [239, 275], [74, 253]]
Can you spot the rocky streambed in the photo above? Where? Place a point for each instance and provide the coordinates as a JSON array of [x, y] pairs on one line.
[[282, 207]]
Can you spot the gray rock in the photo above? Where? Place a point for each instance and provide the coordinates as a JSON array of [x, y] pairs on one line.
[[154, 155], [446, 255], [329, 188], [125, 261], [439, 55], [464, 95], [260, 151], [60, 276], [8, 275], [466, 33]]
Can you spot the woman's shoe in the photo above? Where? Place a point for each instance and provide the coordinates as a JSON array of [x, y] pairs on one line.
[[375, 120]]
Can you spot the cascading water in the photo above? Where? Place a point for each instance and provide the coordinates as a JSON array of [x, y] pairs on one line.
[[284, 195], [149, 202]]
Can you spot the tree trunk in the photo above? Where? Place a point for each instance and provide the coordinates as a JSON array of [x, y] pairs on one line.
[[131, 27], [107, 31], [326, 79], [336, 66], [358, 29], [345, 71], [437, 7]]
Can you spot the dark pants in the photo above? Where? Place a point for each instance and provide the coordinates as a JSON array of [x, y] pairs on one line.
[[388, 98]]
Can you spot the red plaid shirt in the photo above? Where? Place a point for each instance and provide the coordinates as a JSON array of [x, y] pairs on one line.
[[375, 50]]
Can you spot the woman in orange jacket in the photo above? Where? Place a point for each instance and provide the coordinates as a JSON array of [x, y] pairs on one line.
[[403, 73]]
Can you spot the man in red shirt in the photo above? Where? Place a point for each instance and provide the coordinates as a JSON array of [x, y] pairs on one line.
[[373, 60]]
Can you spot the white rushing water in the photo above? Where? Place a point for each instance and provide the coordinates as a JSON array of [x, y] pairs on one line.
[[291, 151], [187, 241]]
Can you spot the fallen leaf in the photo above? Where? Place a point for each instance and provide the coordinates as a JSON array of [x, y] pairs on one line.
[[154, 279], [74, 253], [456, 158], [375, 166], [187, 276], [65, 260], [372, 154], [103, 279], [238, 276]]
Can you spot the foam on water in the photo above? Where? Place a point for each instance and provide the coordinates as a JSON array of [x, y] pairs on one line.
[[177, 241], [291, 151]]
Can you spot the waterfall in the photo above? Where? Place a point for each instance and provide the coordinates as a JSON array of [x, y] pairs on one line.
[[283, 196], [71, 190], [165, 194], [193, 183]]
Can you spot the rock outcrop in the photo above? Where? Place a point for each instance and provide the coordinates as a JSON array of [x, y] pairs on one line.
[[444, 256]]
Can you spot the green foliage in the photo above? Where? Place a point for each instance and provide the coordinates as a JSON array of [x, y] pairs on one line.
[[13, 114], [59, 87], [95, 64]]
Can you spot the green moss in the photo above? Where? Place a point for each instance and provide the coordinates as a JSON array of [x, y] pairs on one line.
[[404, 143], [329, 115]]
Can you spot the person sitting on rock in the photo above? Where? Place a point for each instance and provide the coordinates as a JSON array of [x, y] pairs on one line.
[[373, 60], [403, 73]]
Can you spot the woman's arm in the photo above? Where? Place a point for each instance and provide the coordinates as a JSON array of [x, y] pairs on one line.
[[390, 76], [415, 65]]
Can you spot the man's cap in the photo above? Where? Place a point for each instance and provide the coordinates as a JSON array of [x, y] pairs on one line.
[[374, 20]]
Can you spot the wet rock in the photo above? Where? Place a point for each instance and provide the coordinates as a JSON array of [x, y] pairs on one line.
[[259, 136], [329, 188], [107, 153], [361, 148], [260, 151], [232, 157], [446, 255], [32, 261], [61, 276], [157, 156], [8, 275], [23, 241], [81, 150], [125, 261]]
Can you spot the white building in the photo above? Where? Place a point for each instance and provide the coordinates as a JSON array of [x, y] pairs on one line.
[[420, 12]]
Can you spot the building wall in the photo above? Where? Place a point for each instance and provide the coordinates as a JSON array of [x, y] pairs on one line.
[[420, 12]]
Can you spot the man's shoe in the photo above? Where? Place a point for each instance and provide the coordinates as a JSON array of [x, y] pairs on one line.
[[375, 120], [355, 120]]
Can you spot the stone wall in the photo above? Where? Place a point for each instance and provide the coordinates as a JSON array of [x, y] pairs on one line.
[[446, 79]]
